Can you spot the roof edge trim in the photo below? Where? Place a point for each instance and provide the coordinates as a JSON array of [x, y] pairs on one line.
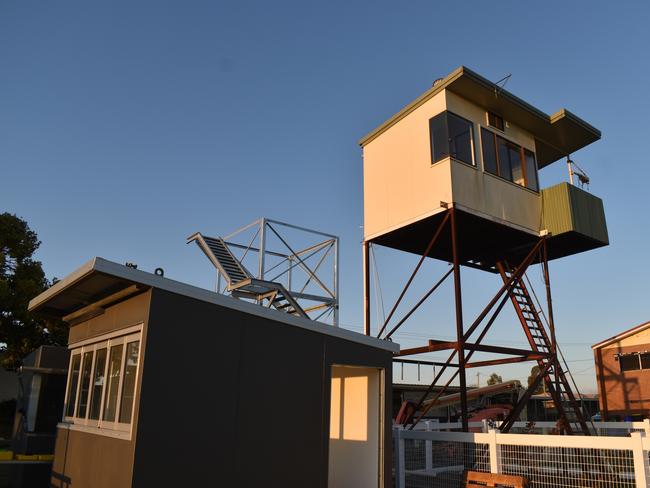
[[106, 267], [426, 96], [476, 78], [78, 274]]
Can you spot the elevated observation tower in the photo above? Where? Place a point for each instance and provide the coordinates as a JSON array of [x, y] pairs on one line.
[[454, 176]]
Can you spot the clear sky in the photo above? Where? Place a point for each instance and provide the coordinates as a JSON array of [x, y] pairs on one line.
[[126, 126]]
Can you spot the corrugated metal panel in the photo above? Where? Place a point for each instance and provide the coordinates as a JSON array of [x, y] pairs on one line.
[[556, 211], [588, 214], [566, 208]]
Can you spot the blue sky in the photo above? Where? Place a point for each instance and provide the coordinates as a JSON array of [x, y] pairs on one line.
[[126, 126]]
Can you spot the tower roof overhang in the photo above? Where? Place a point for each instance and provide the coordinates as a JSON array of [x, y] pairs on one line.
[[556, 136]]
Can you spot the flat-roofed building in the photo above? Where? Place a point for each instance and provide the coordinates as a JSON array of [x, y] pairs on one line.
[[167, 381]]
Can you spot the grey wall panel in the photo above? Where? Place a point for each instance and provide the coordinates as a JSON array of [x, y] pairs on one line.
[[281, 412], [188, 399], [228, 397]]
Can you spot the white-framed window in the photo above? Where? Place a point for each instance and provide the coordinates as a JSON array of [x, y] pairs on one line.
[[102, 376]]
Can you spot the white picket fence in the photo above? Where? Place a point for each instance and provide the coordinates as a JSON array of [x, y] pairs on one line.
[[434, 458]]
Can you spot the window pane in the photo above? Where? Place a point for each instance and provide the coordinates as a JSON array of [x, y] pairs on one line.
[[515, 164], [128, 384], [98, 384], [531, 170], [439, 139], [629, 362], [85, 384], [73, 381], [645, 360], [489, 152], [114, 369], [495, 121], [460, 138], [503, 150]]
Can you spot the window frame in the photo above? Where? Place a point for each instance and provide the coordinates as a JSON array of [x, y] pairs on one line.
[[636, 355], [474, 163], [639, 355], [496, 116], [522, 158], [69, 385], [107, 341]]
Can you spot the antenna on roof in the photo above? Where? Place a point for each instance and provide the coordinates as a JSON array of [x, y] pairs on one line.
[[574, 169], [503, 80]]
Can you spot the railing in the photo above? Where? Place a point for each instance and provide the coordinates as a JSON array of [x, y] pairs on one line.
[[607, 429], [435, 458]]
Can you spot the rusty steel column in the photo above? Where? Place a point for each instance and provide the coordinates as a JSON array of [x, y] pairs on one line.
[[366, 288], [551, 322], [460, 347]]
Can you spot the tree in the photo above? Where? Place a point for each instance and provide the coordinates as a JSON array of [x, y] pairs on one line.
[[494, 379], [21, 279], [534, 373]]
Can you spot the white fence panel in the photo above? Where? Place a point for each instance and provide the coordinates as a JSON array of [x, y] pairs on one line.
[[435, 458]]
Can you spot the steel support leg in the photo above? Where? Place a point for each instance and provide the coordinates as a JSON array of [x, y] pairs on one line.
[[459, 323], [551, 322], [366, 288]]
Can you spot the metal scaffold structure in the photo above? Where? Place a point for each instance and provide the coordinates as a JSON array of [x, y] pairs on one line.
[[541, 338], [296, 268]]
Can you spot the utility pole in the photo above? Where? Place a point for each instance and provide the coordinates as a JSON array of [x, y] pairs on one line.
[[478, 380]]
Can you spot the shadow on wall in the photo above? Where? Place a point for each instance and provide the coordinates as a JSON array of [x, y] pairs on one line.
[[614, 383]]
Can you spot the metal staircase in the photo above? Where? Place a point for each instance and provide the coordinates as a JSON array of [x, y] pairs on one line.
[[239, 280], [568, 407]]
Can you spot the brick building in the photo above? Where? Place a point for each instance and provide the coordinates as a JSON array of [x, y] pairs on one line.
[[623, 374]]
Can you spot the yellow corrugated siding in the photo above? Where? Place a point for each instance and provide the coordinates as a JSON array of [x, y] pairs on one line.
[[566, 208], [556, 210]]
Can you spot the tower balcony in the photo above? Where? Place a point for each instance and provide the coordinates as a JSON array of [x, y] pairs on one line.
[[496, 219]]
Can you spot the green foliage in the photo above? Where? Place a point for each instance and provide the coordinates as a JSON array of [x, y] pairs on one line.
[[534, 372], [494, 379], [21, 279]]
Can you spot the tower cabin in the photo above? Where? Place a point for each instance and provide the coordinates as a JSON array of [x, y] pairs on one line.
[[468, 143]]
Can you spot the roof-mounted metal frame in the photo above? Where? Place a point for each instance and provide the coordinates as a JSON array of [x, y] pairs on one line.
[[265, 245]]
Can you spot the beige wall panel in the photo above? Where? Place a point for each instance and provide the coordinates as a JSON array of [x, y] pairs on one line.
[[125, 314], [477, 115], [488, 195], [400, 185]]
